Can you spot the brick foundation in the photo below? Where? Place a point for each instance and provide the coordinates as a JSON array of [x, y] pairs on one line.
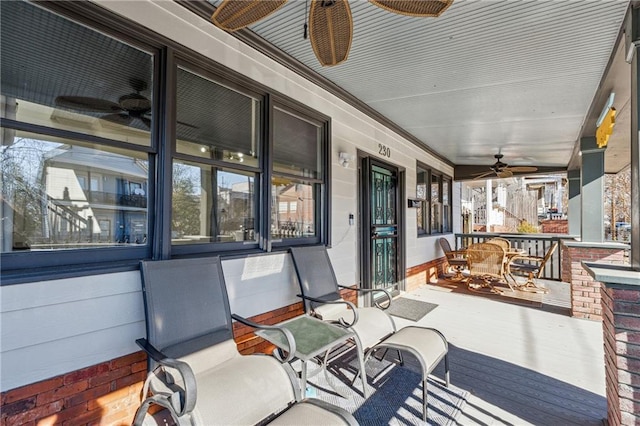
[[585, 291], [106, 393], [621, 327], [425, 273]]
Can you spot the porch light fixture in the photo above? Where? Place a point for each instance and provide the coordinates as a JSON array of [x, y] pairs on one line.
[[345, 158], [330, 22]]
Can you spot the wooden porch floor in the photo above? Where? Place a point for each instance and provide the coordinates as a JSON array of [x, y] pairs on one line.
[[521, 363]]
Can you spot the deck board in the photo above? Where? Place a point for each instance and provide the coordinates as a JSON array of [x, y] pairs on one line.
[[522, 364]]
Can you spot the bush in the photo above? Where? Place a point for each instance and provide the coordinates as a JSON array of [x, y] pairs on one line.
[[527, 228]]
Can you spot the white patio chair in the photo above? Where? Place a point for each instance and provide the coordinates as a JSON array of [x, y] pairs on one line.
[[373, 327], [196, 371]]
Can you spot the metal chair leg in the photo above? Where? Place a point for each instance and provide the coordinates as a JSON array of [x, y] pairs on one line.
[[446, 370], [424, 399]]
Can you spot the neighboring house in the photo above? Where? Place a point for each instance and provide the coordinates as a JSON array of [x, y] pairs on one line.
[[513, 201], [93, 199]]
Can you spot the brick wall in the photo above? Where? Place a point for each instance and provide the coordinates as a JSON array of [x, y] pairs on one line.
[[585, 291], [559, 226], [621, 327], [105, 394], [425, 273]]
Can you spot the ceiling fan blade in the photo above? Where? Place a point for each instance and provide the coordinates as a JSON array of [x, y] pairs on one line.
[[233, 15], [182, 123], [504, 173], [422, 8], [121, 119], [82, 103], [146, 121], [330, 30], [481, 175], [523, 169]]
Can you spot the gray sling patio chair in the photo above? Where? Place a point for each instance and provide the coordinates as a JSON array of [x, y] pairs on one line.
[[373, 327], [196, 371]]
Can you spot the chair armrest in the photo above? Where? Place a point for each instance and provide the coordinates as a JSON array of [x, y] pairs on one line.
[[387, 295], [188, 400], [291, 343], [529, 258], [457, 253], [336, 302]]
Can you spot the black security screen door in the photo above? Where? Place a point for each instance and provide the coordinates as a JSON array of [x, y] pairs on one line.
[[380, 216], [384, 227]]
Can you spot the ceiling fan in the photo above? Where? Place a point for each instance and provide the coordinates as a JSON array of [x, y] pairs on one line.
[[502, 170], [132, 106], [330, 23]]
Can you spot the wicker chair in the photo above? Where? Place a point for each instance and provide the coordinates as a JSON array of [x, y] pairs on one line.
[[533, 266], [502, 242], [487, 262], [456, 260]]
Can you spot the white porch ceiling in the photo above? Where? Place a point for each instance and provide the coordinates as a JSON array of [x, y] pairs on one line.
[[516, 76]]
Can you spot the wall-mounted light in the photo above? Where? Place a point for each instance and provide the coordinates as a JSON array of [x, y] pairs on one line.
[[345, 158]]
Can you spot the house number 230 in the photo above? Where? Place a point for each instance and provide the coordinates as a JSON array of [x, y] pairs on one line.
[[384, 150]]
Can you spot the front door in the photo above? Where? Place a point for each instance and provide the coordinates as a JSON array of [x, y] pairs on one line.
[[381, 230]]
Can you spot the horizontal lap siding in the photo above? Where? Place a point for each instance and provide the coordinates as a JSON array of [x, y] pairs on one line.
[[53, 327], [260, 283]]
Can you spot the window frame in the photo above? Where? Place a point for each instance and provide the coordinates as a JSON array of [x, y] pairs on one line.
[[447, 219], [427, 205], [214, 246], [322, 192], [45, 264]]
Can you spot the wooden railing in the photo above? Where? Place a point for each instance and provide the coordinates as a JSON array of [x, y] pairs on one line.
[[532, 244]]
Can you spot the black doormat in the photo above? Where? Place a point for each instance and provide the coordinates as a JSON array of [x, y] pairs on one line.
[[410, 309]]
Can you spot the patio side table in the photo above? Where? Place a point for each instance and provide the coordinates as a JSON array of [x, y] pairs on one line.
[[314, 337]]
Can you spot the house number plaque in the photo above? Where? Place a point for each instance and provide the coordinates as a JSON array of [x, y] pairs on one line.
[[384, 150]]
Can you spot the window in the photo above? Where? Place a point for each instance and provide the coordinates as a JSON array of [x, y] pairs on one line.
[[436, 204], [217, 164], [297, 177], [446, 207], [211, 204], [422, 212], [76, 108], [433, 189], [222, 160], [89, 162]]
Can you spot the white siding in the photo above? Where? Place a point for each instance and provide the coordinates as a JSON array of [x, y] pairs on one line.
[[53, 327], [260, 283]]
